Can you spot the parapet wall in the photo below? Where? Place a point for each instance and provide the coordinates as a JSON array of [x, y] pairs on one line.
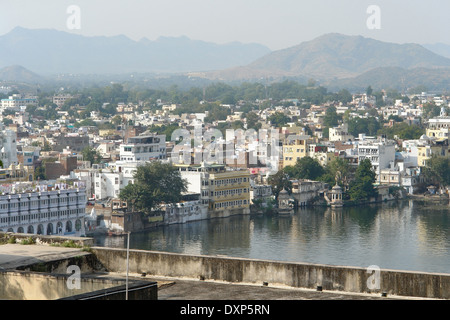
[[43, 239], [298, 275]]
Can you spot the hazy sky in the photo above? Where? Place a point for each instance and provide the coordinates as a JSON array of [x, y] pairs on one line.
[[277, 24]]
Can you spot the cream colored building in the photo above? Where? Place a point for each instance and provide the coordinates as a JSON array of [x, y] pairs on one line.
[[295, 148], [340, 134], [225, 191]]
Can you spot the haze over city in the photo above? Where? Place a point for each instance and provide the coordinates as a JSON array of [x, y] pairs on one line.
[[275, 24]]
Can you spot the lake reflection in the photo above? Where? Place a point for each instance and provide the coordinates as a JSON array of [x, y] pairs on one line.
[[409, 235]]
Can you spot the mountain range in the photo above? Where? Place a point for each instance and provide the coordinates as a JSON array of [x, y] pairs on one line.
[[337, 56], [333, 60], [47, 52]]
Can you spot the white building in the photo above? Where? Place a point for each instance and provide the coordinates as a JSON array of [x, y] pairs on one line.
[[380, 152], [340, 133], [184, 212], [8, 148], [107, 182], [16, 101], [144, 148], [44, 212]]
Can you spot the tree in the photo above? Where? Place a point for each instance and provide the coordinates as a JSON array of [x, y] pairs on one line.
[[305, 168], [330, 120], [279, 119], [369, 126], [252, 120], [403, 130], [430, 110], [155, 183], [39, 173], [438, 169], [361, 188], [379, 99], [331, 117], [280, 181], [369, 90], [338, 169], [92, 155], [344, 96]]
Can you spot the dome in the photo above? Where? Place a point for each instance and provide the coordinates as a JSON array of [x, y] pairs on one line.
[[337, 187]]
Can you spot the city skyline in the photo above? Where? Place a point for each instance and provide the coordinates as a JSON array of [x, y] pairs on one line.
[[277, 25]]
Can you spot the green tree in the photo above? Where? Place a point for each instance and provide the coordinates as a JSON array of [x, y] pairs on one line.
[[438, 169], [238, 124], [92, 155], [379, 99], [403, 130], [330, 120], [331, 117], [280, 181], [279, 119], [253, 121], [362, 188], [39, 173], [430, 110], [337, 169], [305, 168], [7, 121], [344, 96], [369, 126], [155, 183]]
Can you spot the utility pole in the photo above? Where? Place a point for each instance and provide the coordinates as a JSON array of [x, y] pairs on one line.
[[128, 265]]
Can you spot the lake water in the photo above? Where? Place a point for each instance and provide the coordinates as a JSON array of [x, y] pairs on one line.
[[409, 235]]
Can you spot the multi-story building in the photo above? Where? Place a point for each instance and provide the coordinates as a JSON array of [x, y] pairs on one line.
[[17, 100], [380, 152], [8, 148], [144, 148], [340, 133], [19, 173], [60, 99], [261, 193], [295, 148], [430, 147], [321, 152], [105, 182], [226, 192], [40, 209], [74, 142]]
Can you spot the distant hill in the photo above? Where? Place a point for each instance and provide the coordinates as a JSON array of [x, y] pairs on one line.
[[395, 78], [18, 74], [439, 48], [49, 52], [336, 56]]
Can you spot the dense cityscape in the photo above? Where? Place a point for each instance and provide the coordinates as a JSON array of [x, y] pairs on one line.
[[233, 149]]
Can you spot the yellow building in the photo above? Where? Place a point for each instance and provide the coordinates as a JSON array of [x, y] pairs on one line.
[[295, 148], [229, 190], [439, 127], [434, 147], [19, 173], [225, 191]]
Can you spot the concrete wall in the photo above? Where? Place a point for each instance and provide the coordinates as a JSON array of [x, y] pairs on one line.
[[43, 239], [19, 285], [301, 275]]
